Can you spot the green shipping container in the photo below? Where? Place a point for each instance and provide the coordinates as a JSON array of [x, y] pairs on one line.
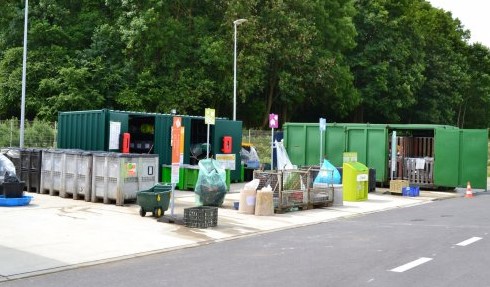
[[89, 130], [454, 156], [99, 130]]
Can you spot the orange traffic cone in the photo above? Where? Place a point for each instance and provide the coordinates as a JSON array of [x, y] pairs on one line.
[[469, 193]]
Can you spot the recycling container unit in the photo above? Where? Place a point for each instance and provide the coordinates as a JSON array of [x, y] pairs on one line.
[[34, 183], [69, 173], [426, 155], [191, 173], [355, 181], [118, 176], [155, 200], [76, 174], [52, 166], [83, 176]]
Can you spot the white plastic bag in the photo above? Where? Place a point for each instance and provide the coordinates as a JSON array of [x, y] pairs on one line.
[[283, 161]]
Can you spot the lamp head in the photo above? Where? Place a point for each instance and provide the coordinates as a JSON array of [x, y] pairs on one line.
[[239, 21]]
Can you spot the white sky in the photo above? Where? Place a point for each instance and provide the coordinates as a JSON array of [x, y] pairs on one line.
[[473, 14]]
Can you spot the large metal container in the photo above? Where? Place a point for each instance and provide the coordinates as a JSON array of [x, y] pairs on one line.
[[459, 155], [90, 130]]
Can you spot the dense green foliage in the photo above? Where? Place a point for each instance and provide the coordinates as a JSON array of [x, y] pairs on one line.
[[379, 61], [37, 133]]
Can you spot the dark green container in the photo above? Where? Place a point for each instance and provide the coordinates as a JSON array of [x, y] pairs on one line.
[[155, 200], [92, 130], [89, 130]]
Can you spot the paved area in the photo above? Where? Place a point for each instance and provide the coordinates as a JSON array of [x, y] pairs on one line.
[[53, 234]]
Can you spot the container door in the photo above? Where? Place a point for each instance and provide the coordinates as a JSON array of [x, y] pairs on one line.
[[112, 138], [334, 144], [371, 145], [446, 157], [377, 152], [231, 129], [312, 145], [302, 143], [473, 158]]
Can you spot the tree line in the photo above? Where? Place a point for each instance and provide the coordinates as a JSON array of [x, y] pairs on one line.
[[377, 61]]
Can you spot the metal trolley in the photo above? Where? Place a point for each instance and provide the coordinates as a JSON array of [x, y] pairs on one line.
[[290, 188], [319, 194]]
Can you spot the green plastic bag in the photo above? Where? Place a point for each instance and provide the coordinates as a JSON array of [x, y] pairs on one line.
[[211, 183]]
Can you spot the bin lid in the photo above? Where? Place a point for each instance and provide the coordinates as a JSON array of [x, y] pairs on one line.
[[357, 166]]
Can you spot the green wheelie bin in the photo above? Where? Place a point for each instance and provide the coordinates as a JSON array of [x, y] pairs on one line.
[[155, 199]]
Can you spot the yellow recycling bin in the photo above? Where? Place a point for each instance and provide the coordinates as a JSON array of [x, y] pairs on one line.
[[355, 180]]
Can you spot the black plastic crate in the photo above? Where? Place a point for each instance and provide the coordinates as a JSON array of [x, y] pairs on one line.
[[35, 160], [372, 180], [34, 181], [24, 176], [13, 189], [25, 158], [201, 216]]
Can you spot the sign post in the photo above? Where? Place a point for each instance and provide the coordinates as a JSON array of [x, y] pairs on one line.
[[209, 119], [176, 156], [393, 155], [323, 127], [273, 124]]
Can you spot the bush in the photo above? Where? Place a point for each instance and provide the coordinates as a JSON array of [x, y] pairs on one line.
[[36, 133]]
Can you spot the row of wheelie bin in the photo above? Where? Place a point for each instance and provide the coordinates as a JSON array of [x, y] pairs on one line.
[[27, 162]]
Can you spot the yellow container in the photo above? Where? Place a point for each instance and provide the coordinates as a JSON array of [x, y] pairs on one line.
[[355, 181]]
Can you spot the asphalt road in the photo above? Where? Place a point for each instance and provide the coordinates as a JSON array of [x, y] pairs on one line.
[[444, 243]]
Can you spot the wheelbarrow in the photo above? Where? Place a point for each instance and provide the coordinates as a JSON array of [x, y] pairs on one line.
[[155, 200]]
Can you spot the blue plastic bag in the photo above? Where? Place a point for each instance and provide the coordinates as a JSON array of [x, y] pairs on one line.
[[328, 174]]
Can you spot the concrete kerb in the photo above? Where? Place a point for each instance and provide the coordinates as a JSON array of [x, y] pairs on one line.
[[335, 213]]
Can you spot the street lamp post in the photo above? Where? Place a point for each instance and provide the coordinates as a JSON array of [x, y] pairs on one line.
[[24, 64], [235, 24]]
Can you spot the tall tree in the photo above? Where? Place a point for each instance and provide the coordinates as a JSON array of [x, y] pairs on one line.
[[285, 62], [446, 73], [474, 111], [388, 60]]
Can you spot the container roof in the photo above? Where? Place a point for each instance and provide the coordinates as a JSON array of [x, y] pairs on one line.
[[388, 126]]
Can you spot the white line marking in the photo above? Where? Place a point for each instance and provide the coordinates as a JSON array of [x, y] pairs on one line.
[[469, 241], [411, 265]]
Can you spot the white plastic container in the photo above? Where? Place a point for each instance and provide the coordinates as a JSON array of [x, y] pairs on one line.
[[52, 165], [118, 176]]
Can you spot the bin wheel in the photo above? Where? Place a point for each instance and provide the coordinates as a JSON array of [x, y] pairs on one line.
[[158, 212], [142, 212]]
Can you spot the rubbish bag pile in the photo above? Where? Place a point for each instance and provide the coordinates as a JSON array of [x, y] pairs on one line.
[[7, 170], [250, 157], [211, 183]]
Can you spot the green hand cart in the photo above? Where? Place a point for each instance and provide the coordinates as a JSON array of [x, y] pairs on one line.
[[155, 200]]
